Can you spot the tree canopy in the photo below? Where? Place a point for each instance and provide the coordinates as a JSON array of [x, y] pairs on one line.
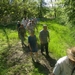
[[11, 10]]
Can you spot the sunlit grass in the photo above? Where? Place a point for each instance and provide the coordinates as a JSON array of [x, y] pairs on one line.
[[61, 38]]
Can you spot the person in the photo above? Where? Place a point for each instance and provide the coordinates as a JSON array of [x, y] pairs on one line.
[[30, 26], [34, 22], [44, 39], [23, 22], [32, 43], [18, 25], [22, 33], [66, 64]]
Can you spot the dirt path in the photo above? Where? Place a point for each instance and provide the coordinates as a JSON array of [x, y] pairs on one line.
[[21, 63]]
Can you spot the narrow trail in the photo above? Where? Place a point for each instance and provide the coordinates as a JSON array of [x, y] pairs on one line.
[[19, 57]]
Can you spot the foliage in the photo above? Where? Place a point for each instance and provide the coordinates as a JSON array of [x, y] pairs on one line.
[[60, 14], [17, 9], [70, 10], [61, 38], [63, 11]]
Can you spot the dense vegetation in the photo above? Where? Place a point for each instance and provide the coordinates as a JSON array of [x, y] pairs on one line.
[[61, 38], [60, 19], [12, 10]]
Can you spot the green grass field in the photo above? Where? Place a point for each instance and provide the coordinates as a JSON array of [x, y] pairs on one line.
[[61, 38]]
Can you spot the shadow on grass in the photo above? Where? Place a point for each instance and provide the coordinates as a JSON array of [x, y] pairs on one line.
[[3, 60], [51, 61], [6, 35], [42, 69]]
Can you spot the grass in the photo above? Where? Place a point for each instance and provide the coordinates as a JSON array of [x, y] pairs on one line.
[[61, 38], [7, 38]]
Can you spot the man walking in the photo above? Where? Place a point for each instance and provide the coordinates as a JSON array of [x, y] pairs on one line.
[[22, 33], [44, 39]]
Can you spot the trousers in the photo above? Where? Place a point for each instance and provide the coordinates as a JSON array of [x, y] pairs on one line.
[[44, 46]]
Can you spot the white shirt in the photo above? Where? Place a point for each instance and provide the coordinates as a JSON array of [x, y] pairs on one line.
[[30, 26], [63, 67], [24, 22]]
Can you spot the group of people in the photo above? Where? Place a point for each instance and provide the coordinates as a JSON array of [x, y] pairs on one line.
[[22, 27], [64, 66], [29, 24], [44, 39]]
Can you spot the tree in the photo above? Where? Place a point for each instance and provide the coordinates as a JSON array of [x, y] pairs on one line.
[[70, 10]]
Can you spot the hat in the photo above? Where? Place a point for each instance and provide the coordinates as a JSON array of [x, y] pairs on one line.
[[44, 25], [71, 53]]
